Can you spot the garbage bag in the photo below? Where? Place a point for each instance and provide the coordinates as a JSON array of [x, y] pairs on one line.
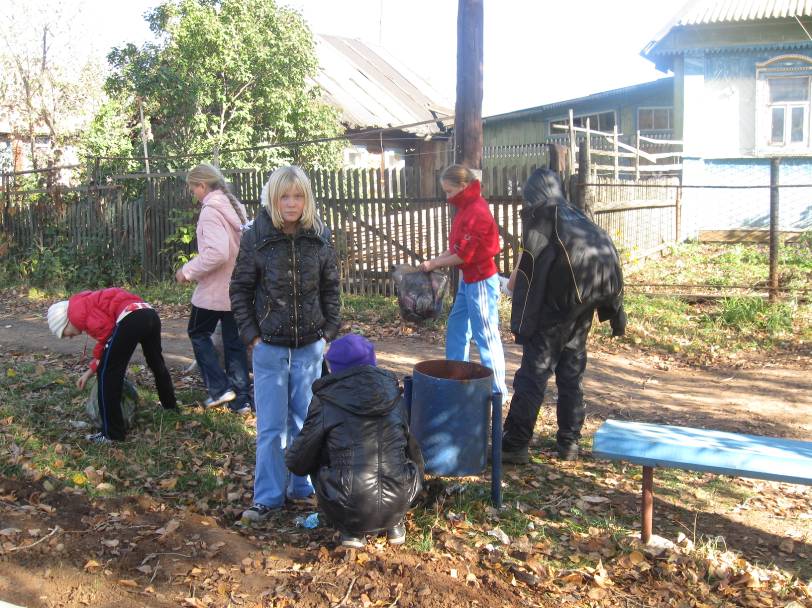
[[420, 294], [129, 404]]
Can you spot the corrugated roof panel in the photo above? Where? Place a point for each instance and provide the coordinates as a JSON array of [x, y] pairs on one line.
[[372, 90], [727, 11]]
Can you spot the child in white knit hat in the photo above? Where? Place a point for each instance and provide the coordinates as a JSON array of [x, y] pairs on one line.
[[119, 320]]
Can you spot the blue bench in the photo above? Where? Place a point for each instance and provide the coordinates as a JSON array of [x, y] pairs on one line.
[[660, 445]]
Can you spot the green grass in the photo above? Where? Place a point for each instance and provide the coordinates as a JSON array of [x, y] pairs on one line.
[[713, 330], [167, 452]]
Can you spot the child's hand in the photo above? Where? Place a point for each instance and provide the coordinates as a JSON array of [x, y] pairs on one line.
[[425, 266], [179, 277], [82, 381]]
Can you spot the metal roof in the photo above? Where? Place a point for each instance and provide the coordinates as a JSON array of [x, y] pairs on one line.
[[371, 89], [699, 12], [621, 92]]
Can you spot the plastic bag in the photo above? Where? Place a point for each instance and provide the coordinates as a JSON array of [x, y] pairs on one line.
[[420, 294], [129, 404]]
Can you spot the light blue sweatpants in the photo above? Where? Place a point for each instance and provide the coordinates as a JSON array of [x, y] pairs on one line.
[[475, 313]]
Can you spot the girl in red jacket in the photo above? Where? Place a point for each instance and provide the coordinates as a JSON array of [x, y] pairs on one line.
[[119, 321], [472, 244]]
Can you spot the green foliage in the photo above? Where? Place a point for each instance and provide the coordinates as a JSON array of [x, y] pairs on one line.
[[62, 266], [231, 74], [112, 133], [178, 245]]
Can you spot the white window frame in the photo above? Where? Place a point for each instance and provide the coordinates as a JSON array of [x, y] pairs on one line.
[[564, 120], [669, 111], [783, 66]]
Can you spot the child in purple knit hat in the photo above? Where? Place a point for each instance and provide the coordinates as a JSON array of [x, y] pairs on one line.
[[349, 351], [357, 428]]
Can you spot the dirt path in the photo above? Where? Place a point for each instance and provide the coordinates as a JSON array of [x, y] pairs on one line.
[[769, 400]]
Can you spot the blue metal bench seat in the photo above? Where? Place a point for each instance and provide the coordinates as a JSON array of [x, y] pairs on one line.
[[659, 445]]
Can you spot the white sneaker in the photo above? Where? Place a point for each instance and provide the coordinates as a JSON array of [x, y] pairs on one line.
[[258, 513], [229, 395]]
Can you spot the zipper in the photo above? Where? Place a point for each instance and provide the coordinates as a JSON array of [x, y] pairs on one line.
[[267, 311], [295, 307]]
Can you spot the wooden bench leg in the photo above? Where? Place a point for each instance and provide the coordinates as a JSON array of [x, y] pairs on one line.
[[647, 504]]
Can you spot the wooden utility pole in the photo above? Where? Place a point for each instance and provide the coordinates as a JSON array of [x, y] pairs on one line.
[[468, 108]]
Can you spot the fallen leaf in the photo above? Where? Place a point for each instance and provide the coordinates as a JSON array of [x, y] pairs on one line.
[[92, 565], [128, 582], [169, 484], [787, 546], [169, 528]]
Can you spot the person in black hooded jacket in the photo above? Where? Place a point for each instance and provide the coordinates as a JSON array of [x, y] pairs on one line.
[[568, 269], [356, 446]]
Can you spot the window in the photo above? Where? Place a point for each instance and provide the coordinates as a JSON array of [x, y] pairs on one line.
[[602, 121], [655, 119], [783, 96], [789, 108]]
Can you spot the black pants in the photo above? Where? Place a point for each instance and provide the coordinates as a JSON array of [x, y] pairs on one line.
[[559, 350], [139, 327]]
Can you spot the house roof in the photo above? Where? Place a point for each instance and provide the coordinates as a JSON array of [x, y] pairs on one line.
[[762, 20], [570, 103], [372, 89]]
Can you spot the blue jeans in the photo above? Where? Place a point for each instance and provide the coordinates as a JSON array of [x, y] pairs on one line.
[[476, 312], [283, 380], [202, 323]]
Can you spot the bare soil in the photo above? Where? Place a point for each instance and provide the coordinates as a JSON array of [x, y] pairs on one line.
[[208, 562]]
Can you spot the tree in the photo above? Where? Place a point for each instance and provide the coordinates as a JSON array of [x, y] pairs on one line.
[[228, 74], [48, 87]]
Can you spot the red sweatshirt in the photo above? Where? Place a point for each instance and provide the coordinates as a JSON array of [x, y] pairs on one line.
[[96, 312], [474, 236]]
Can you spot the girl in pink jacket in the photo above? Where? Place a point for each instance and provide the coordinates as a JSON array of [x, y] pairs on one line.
[[219, 228]]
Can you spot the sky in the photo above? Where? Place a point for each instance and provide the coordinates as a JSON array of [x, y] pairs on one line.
[[536, 51]]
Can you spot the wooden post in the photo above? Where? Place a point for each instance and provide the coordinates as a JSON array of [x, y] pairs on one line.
[[637, 158], [616, 159], [143, 133], [468, 107], [678, 215], [583, 179], [572, 144], [647, 504], [774, 178]]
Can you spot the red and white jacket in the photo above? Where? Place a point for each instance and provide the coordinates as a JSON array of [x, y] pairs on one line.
[[474, 236], [96, 313]]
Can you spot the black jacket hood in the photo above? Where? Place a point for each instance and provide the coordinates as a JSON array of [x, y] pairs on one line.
[[363, 390]]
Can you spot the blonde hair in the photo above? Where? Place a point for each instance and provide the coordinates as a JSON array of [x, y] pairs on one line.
[[283, 180], [211, 176], [458, 175]]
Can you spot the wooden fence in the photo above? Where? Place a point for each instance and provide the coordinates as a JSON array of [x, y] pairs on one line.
[[375, 220]]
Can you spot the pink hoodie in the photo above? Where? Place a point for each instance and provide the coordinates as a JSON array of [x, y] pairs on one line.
[[218, 242]]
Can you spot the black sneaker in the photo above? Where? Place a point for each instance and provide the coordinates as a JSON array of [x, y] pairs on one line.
[[515, 455], [355, 542], [99, 439], [396, 535], [241, 410], [568, 451]]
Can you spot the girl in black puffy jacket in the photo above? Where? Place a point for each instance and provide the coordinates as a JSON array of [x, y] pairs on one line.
[[356, 446]]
